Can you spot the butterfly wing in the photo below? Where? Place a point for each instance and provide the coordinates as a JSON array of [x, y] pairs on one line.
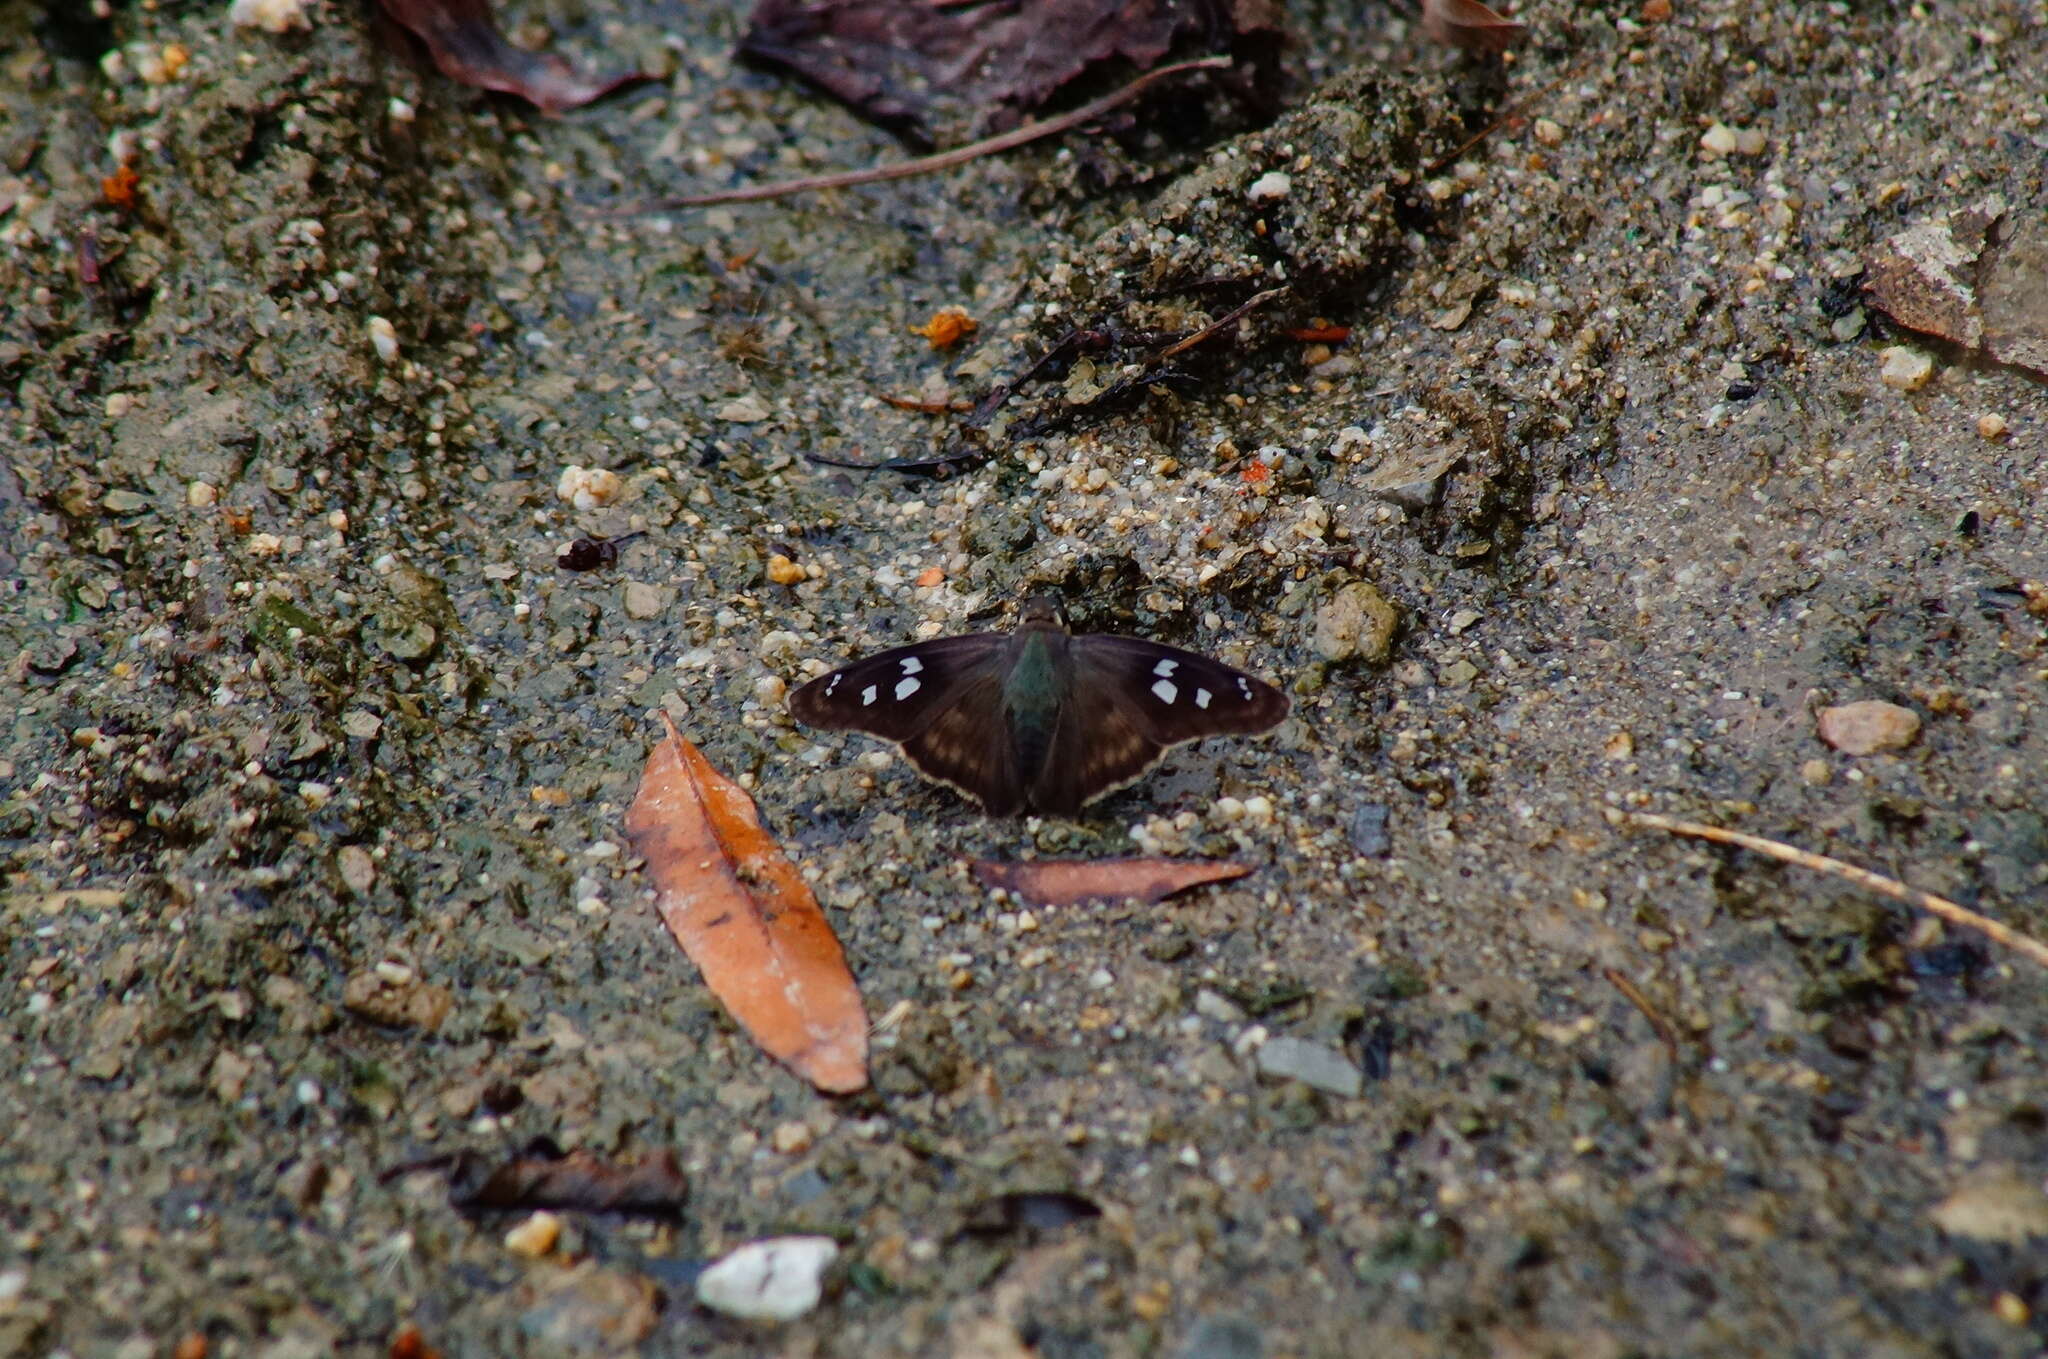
[[1168, 695], [897, 694], [1096, 749], [940, 700]]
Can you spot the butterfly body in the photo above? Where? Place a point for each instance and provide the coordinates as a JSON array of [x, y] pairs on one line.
[[1038, 719]]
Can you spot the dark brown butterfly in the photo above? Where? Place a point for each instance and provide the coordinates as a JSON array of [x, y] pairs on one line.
[[1039, 719]]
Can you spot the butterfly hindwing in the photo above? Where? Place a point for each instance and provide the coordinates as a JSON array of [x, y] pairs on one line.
[[1170, 695], [964, 749], [1096, 749], [899, 693]]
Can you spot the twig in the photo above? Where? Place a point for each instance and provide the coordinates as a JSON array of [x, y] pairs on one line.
[[943, 160], [1665, 1033], [1876, 882], [1507, 115]]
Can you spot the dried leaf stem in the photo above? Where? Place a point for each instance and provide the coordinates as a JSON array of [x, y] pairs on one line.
[[942, 160], [1863, 877]]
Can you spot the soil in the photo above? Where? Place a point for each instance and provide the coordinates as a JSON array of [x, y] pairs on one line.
[[314, 762]]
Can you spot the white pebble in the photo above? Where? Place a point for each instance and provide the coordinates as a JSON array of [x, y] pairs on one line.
[[1270, 187], [1719, 140], [1905, 368], [383, 339], [774, 1280], [272, 16], [588, 487]]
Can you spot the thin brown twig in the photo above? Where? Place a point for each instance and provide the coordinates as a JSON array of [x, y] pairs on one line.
[[1665, 1033], [1863, 877], [943, 160]]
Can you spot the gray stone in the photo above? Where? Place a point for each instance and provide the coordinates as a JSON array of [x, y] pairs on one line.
[[1312, 1064]]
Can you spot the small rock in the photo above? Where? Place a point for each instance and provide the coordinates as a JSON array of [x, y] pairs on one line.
[[1210, 1005], [383, 338], [272, 16], [1904, 368], [408, 1004], [774, 1280], [361, 724], [1991, 427], [230, 1074], [535, 1237], [1548, 133], [1325, 1069], [783, 571], [1367, 831], [1269, 187], [644, 600], [1816, 773], [1719, 140], [123, 502], [1867, 727], [1356, 621], [745, 410], [1995, 1205], [1223, 1338], [792, 1138], [589, 1310], [587, 488]]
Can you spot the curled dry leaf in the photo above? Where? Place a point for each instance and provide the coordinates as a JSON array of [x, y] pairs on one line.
[[738, 907], [1065, 882], [1978, 277], [544, 1176], [464, 41], [1469, 25]]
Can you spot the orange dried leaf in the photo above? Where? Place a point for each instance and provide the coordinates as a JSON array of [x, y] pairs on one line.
[[1468, 24], [948, 327], [742, 913], [119, 188], [1065, 882]]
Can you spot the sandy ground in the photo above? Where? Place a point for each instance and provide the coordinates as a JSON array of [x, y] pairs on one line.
[[314, 763]]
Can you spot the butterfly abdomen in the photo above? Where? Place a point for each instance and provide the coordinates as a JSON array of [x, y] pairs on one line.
[[1032, 694]]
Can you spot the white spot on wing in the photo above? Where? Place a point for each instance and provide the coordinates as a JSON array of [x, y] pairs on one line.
[[1163, 669], [1202, 697], [867, 696], [906, 686], [1244, 687], [1164, 688], [833, 683], [912, 665]]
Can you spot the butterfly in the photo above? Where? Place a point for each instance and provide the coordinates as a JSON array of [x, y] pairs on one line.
[[1039, 719]]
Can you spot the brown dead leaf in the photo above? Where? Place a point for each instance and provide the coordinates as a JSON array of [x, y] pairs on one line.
[[741, 911], [1469, 25], [1066, 882], [465, 44], [1978, 277], [544, 1176], [893, 61]]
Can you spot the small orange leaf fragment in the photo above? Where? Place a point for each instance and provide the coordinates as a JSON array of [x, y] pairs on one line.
[[744, 916], [1470, 25], [1066, 882], [119, 188], [948, 327], [930, 576], [1256, 473]]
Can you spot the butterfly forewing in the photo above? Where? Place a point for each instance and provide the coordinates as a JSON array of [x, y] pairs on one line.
[[899, 693], [1171, 695]]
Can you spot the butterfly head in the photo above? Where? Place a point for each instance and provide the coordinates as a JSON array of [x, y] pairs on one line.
[[1042, 611]]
